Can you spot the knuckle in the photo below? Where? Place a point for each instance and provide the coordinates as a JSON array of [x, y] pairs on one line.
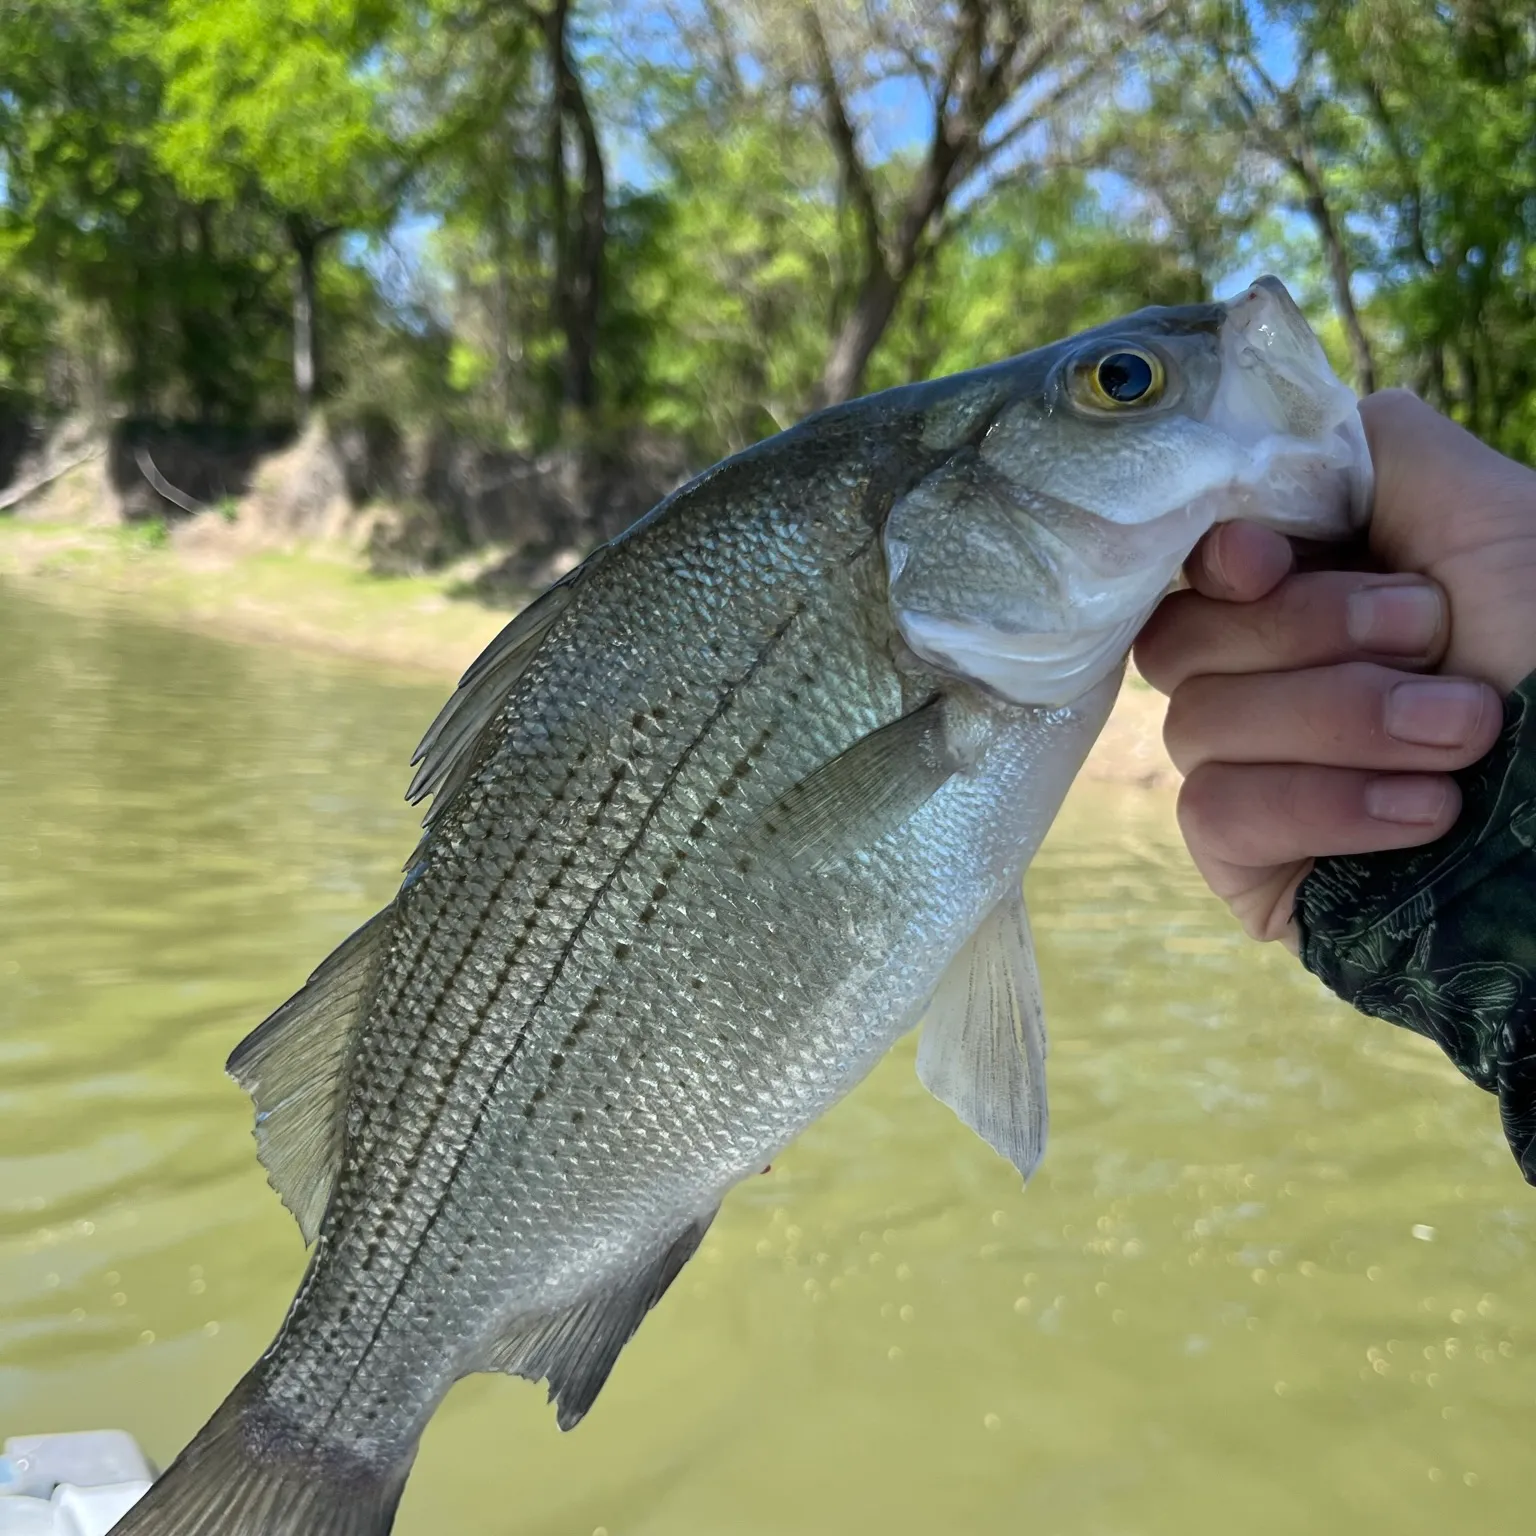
[[1202, 805], [1183, 725], [1166, 643]]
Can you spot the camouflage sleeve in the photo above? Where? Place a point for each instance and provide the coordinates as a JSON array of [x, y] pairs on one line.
[[1442, 939]]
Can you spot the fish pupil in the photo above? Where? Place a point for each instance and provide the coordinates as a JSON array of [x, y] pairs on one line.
[[1125, 377]]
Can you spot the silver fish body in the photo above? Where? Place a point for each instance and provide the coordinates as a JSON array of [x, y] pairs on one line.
[[714, 823]]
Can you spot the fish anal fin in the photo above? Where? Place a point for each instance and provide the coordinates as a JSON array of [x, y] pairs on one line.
[[575, 1349], [859, 796], [294, 1066], [451, 746], [983, 1045]]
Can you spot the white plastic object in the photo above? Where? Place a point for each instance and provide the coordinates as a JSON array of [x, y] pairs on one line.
[[22, 1516], [88, 1459], [94, 1511]]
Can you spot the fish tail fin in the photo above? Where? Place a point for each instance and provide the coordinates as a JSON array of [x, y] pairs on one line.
[[246, 1474]]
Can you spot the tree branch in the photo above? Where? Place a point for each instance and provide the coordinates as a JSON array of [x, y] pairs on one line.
[[845, 143], [1412, 194]]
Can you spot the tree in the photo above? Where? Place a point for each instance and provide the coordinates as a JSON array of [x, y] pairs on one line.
[[278, 103], [161, 299], [1447, 179], [994, 77], [1295, 122], [580, 223]]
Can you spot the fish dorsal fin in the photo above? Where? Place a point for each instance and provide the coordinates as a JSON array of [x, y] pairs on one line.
[[983, 1044], [294, 1066], [858, 797], [575, 1349], [449, 749]]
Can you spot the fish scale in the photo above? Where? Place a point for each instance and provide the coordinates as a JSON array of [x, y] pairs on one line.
[[714, 822], [478, 1028]]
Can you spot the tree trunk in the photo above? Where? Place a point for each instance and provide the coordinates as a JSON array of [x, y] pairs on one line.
[[885, 272], [501, 320], [860, 334], [1304, 163], [306, 315], [579, 243]]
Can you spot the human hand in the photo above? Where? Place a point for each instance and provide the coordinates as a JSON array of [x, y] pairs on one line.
[[1298, 706]]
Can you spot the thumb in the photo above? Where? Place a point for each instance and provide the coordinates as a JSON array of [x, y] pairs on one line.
[[1238, 563], [1439, 491]]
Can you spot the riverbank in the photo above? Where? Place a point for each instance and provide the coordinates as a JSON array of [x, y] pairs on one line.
[[322, 598]]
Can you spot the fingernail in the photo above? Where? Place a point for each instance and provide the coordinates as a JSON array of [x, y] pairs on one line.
[[1409, 801], [1435, 711], [1396, 621]]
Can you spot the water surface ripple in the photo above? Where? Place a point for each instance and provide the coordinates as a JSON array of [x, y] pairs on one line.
[[1275, 1275]]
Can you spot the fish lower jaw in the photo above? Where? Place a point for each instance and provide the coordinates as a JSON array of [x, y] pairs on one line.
[[1042, 670]]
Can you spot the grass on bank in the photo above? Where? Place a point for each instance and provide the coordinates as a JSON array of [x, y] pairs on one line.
[[312, 598]]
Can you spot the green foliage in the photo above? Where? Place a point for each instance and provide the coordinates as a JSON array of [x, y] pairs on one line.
[[173, 296], [1447, 178], [165, 164], [278, 99], [1034, 264], [730, 272]]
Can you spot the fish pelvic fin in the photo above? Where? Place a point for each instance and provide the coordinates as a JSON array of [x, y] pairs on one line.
[[575, 1349], [983, 1045], [246, 1475]]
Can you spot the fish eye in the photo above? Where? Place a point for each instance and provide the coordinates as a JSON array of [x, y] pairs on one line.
[[1125, 377]]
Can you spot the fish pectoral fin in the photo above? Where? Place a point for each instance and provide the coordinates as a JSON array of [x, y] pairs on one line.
[[451, 746], [983, 1044], [575, 1349], [294, 1067], [865, 792]]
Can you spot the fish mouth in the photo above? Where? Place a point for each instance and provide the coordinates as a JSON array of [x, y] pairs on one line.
[[1309, 466]]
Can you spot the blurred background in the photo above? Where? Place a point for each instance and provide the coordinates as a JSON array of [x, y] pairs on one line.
[[341, 326], [564, 253]]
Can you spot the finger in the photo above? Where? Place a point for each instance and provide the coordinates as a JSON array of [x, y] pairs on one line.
[[1357, 715], [1254, 831], [1238, 562], [1308, 621], [1251, 816]]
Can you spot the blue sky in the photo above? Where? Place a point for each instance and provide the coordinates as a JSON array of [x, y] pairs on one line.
[[895, 117]]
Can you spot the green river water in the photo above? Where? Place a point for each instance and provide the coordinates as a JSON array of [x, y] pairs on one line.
[[1277, 1273]]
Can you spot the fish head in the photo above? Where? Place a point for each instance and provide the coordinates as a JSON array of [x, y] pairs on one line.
[[1083, 474]]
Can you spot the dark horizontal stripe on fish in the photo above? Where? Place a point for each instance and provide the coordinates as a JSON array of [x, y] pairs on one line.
[[455, 1167], [407, 1167]]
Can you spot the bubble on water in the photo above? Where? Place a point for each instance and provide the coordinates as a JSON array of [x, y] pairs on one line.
[[1424, 1232]]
